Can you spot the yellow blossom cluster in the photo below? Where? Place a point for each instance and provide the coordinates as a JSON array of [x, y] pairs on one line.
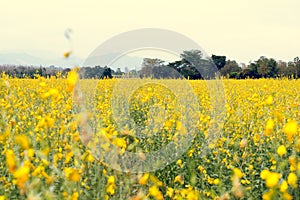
[[50, 149]]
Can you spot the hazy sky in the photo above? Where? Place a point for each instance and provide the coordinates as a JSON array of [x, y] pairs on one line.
[[240, 29]]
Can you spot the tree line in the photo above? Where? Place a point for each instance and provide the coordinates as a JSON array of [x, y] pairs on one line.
[[20, 71], [192, 65]]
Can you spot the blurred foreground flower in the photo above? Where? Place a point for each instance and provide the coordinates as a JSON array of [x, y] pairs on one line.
[[72, 80], [67, 54], [22, 175], [10, 160], [290, 129]]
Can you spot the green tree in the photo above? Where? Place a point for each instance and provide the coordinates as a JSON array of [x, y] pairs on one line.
[[282, 69], [250, 71], [220, 61], [266, 67], [297, 67], [148, 66], [231, 69], [195, 66]]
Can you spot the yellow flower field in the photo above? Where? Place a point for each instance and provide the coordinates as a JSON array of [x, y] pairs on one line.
[[65, 138]]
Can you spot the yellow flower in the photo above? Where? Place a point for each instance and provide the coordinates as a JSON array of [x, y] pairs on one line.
[[179, 163], [53, 92], [170, 192], [189, 193], [281, 150], [293, 163], [237, 172], [264, 174], [22, 175], [45, 162], [72, 80], [69, 157], [154, 192], [272, 179], [22, 141], [90, 158], [10, 160], [168, 124], [190, 153], [75, 177], [269, 127], [283, 186], [120, 142], [111, 180], [45, 95], [250, 167], [178, 125], [269, 100], [256, 138], [192, 195], [297, 145], [49, 121], [110, 189], [37, 171], [67, 54], [43, 84], [72, 174], [30, 153], [287, 196], [48, 178], [216, 181], [268, 195], [179, 179], [143, 180], [292, 180], [75, 196], [110, 186], [155, 181], [290, 129]]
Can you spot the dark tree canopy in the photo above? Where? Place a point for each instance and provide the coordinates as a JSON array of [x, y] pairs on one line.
[[195, 66], [266, 67], [220, 61], [231, 69]]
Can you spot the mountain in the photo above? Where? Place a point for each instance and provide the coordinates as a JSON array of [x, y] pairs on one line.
[[48, 58], [113, 61], [37, 58]]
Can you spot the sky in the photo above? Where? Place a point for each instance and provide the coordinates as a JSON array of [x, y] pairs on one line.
[[241, 30]]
